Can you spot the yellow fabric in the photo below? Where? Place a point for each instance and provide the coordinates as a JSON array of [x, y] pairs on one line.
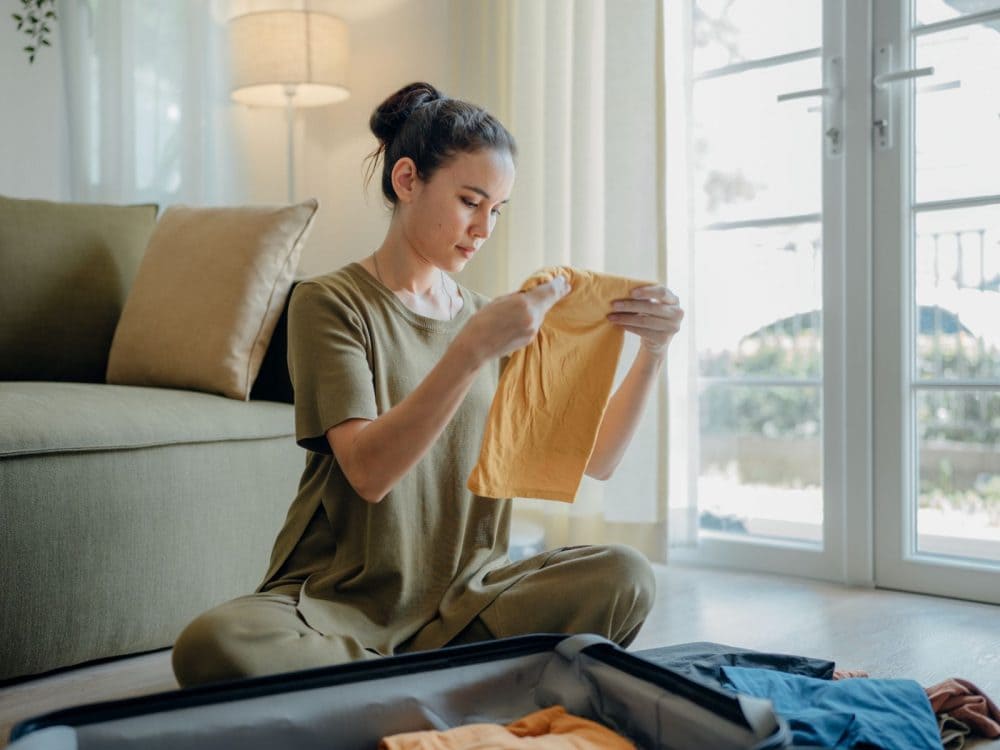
[[547, 410], [207, 297], [549, 729]]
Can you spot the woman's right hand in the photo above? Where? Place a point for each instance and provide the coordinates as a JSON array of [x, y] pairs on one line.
[[511, 321]]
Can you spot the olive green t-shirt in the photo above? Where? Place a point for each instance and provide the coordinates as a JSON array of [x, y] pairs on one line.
[[411, 571]]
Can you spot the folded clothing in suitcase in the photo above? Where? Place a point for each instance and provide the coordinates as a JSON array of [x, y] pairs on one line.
[[353, 706]]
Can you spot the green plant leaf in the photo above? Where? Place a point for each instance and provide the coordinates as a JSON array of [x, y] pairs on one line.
[[34, 21]]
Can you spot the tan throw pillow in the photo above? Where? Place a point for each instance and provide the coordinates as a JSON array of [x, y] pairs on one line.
[[207, 296]]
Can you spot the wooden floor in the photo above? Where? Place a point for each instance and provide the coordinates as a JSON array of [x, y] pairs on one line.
[[886, 633]]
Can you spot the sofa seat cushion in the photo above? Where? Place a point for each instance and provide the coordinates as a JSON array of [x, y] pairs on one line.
[[53, 417]]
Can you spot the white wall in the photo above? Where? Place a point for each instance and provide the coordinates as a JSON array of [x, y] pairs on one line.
[[393, 42], [33, 144]]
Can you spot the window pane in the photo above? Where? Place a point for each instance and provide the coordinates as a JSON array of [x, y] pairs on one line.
[[957, 325], [754, 157], [759, 300], [959, 505], [761, 461], [732, 31], [930, 11], [958, 113], [757, 288]]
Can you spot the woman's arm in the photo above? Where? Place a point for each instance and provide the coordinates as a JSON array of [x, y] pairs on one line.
[[375, 454], [655, 315]]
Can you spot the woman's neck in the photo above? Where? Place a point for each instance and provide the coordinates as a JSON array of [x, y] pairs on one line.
[[403, 270], [420, 285]]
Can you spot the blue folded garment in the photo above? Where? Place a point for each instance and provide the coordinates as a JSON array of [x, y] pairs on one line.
[[888, 714], [703, 661]]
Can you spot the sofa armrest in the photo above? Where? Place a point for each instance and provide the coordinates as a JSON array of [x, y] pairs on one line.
[[273, 382]]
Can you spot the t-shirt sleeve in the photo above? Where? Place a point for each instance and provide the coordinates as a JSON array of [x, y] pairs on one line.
[[328, 364]]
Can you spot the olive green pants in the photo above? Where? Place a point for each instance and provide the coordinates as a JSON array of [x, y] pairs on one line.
[[264, 634]]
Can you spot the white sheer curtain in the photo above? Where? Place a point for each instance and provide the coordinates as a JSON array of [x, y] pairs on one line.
[[148, 104], [580, 85]]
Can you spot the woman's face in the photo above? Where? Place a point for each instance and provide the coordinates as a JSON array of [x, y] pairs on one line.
[[450, 216]]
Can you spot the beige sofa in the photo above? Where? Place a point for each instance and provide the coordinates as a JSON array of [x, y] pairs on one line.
[[124, 510]]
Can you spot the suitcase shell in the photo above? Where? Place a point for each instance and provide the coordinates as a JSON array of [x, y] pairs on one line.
[[352, 706]]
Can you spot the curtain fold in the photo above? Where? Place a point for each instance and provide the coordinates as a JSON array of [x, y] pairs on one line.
[[580, 85], [148, 102]]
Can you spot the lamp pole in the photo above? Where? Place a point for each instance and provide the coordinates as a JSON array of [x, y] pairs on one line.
[[290, 123]]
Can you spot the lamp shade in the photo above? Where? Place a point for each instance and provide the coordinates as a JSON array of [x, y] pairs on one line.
[[277, 54]]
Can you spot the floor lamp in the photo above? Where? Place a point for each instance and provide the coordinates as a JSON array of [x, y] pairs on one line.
[[290, 59]]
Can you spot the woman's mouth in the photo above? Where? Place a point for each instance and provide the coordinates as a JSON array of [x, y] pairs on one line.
[[468, 252]]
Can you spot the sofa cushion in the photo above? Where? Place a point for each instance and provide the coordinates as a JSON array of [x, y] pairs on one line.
[[207, 297], [72, 417], [65, 271]]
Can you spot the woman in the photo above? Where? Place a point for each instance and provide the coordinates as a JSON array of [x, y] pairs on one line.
[[394, 367]]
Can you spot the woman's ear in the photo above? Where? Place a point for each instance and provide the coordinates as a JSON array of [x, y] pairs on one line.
[[405, 180]]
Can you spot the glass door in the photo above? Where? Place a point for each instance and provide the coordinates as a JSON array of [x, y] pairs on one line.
[[834, 214], [755, 217], [936, 126]]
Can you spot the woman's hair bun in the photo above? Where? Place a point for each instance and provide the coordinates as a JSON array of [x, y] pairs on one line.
[[387, 120], [419, 122]]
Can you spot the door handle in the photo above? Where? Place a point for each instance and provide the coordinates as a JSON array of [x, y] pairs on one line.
[[833, 107], [806, 93], [881, 80], [882, 106]]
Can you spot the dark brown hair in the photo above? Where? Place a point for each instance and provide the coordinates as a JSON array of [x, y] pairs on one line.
[[420, 122]]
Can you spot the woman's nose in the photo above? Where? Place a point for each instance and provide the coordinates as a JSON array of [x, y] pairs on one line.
[[481, 229]]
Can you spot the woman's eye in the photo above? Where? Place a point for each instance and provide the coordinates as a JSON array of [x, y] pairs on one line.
[[473, 204]]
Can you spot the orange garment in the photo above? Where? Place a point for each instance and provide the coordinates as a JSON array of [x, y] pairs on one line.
[[548, 407], [549, 729], [967, 703]]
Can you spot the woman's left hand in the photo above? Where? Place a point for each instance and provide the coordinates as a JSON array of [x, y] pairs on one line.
[[653, 313]]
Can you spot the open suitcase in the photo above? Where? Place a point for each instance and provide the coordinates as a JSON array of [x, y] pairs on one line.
[[353, 706]]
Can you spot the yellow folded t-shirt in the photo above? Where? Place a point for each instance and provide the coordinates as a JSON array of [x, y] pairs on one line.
[[548, 407], [549, 729]]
